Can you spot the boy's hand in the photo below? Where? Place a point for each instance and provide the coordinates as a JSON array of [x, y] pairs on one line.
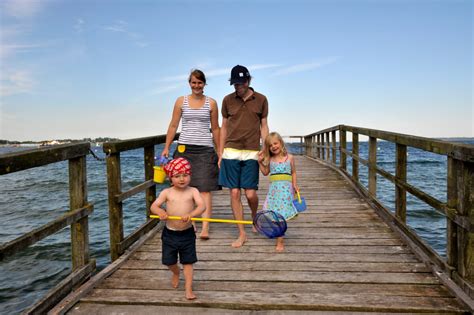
[[163, 216]]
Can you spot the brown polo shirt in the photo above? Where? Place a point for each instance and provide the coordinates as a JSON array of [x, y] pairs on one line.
[[243, 120]]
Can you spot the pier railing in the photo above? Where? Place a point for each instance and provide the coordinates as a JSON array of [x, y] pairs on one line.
[[326, 145], [76, 216], [118, 242]]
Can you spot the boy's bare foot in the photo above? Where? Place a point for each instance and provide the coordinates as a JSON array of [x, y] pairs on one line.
[[175, 280], [239, 242], [190, 295]]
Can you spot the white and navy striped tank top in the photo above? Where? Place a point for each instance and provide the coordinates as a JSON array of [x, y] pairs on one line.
[[196, 123]]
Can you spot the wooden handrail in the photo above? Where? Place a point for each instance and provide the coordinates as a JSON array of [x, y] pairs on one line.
[[22, 160], [118, 242], [14, 246], [458, 209], [77, 217]]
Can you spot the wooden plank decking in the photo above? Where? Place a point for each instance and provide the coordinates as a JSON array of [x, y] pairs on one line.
[[339, 256]]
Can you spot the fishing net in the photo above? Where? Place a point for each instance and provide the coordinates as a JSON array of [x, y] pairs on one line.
[[270, 224]]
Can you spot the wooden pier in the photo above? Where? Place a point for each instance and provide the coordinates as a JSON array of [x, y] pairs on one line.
[[339, 256], [346, 253]]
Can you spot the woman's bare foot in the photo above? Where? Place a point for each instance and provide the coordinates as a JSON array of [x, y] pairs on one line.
[[190, 295], [239, 242], [204, 234]]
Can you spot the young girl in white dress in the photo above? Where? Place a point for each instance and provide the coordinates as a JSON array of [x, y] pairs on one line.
[[276, 161]]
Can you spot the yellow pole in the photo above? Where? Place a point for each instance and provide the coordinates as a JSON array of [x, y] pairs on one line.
[[206, 219]]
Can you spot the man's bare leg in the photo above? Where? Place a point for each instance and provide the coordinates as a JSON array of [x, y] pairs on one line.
[[238, 211], [252, 199]]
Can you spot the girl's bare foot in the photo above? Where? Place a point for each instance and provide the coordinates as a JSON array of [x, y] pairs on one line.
[[280, 246], [190, 295]]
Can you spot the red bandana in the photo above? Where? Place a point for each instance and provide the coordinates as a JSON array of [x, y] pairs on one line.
[[178, 166]]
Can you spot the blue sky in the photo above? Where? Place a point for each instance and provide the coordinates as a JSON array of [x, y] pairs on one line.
[[83, 68]]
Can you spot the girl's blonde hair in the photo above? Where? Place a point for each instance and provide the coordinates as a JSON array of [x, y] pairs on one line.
[[268, 140]]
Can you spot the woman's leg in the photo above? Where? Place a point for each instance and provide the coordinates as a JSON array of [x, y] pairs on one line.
[[207, 214]]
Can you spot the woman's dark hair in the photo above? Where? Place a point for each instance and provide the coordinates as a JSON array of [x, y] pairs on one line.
[[198, 74]]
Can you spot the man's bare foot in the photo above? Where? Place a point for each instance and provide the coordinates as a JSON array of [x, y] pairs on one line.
[[190, 295], [239, 242], [175, 280]]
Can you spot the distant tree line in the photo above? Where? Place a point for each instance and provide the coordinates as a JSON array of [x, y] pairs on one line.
[[100, 139]]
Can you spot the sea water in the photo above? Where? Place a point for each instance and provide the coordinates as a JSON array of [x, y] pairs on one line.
[[33, 197]]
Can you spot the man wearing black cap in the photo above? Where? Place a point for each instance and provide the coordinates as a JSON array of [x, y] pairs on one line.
[[244, 123]]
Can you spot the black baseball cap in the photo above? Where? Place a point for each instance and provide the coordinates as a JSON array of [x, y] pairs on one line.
[[239, 75]]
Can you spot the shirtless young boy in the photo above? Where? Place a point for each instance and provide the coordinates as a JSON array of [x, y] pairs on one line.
[[178, 236]]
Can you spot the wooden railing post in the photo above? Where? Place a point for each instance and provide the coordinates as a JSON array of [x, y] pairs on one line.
[[150, 194], [78, 198], [328, 146], [373, 166], [307, 146], [318, 148], [114, 184], [460, 192], [323, 150], [342, 147], [355, 155], [401, 175], [333, 135], [452, 198]]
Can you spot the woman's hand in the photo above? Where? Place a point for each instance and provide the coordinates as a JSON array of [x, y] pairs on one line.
[[186, 218]]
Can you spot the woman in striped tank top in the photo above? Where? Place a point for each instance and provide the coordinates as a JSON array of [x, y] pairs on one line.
[[200, 131]]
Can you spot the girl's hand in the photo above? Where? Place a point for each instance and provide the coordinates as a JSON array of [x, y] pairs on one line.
[[296, 188], [260, 157], [165, 152]]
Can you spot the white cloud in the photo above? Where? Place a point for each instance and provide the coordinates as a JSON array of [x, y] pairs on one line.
[[22, 8], [122, 27], [79, 25], [16, 82], [305, 66], [10, 49], [165, 89], [216, 72]]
